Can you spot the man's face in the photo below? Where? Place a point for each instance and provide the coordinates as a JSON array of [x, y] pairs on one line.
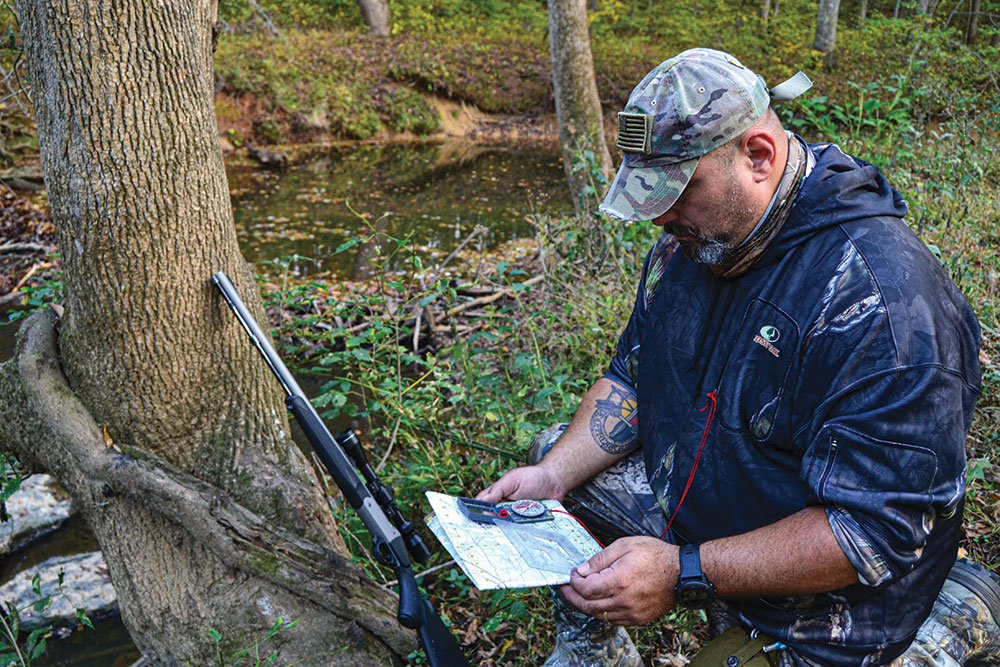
[[714, 213]]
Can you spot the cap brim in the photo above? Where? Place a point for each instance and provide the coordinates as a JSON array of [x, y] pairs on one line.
[[644, 193]]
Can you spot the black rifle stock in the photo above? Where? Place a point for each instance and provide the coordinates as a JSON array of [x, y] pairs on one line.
[[389, 545]]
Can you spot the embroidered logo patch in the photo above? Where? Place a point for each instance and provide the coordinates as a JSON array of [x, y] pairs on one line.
[[767, 337]]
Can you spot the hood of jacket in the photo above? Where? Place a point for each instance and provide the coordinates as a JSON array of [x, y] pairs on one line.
[[840, 189]]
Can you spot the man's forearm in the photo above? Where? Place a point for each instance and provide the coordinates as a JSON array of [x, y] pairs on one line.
[[603, 430], [795, 556], [631, 582]]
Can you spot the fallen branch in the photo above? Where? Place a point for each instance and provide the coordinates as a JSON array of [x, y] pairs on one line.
[[426, 310], [12, 247], [499, 294], [480, 301]]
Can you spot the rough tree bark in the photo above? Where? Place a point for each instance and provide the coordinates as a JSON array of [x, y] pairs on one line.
[[862, 13], [376, 16], [765, 12], [826, 29], [150, 407], [578, 106]]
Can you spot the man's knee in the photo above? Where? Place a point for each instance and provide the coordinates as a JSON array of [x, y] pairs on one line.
[[543, 442]]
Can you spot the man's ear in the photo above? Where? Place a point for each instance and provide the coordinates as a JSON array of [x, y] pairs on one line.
[[761, 148]]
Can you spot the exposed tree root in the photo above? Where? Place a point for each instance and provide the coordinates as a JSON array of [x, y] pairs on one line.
[[43, 422]]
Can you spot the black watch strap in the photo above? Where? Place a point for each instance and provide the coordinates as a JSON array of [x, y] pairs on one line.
[[690, 560], [693, 589]]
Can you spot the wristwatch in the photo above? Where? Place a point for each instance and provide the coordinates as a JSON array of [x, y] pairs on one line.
[[693, 589]]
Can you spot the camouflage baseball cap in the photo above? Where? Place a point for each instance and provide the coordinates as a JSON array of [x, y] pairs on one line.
[[684, 108]]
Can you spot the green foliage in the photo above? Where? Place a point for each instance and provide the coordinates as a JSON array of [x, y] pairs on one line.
[[239, 14], [38, 295], [497, 74], [409, 111], [470, 18], [252, 654], [19, 647], [11, 476]]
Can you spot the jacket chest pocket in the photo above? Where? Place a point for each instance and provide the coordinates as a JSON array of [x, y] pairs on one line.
[[752, 390]]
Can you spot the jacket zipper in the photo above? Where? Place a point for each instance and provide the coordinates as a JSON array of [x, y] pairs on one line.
[[829, 465]]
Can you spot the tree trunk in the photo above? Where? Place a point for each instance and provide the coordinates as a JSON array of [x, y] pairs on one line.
[[578, 107], [156, 365], [973, 26], [376, 16], [765, 12], [826, 28], [862, 13]]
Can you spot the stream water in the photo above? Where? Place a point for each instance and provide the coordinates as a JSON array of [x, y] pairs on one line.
[[431, 195]]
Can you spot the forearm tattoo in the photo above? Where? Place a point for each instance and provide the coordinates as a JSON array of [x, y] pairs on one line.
[[615, 422]]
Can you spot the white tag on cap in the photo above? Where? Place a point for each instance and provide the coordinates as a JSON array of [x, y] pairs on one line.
[[792, 88]]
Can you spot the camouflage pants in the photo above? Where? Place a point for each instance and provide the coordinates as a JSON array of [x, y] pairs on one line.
[[618, 502]]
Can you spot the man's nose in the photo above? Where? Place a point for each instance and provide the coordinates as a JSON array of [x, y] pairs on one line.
[[665, 218]]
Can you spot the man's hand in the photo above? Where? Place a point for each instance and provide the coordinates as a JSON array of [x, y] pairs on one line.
[[531, 482], [629, 583]]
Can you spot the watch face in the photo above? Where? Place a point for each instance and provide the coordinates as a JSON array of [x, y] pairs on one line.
[[695, 594]]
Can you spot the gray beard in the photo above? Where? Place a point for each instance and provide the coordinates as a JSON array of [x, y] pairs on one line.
[[712, 252]]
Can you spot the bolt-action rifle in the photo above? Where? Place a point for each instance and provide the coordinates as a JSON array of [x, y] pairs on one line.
[[393, 539]]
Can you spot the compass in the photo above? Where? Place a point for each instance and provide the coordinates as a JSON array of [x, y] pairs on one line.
[[529, 509], [515, 511]]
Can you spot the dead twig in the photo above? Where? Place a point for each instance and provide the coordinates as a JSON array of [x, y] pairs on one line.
[[499, 294], [13, 246]]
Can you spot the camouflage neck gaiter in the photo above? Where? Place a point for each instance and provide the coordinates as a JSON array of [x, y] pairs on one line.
[[754, 246]]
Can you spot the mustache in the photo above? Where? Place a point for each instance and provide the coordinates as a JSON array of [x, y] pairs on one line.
[[678, 230]]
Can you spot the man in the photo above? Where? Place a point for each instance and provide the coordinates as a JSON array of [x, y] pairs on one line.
[[780, 437]]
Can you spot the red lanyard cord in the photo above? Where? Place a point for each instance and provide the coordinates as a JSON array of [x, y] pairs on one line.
[[712, 403]]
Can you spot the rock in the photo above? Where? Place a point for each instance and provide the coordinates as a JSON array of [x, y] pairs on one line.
[[37, 508], [86, 585], [226, 145], [269, 159]]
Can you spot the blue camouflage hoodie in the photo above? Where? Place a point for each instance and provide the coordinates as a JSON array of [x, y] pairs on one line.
[[845, 368]]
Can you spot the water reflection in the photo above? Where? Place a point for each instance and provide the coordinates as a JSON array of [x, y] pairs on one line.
[[431, 194]]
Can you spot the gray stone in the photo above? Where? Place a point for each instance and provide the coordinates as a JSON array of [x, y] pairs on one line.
[[37, 508], [269, 159], [86, 585]]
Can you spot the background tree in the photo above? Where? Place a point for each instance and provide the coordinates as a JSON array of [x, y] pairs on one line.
[[150, 407], [972, 27], [826, 29], [376, 16], [578, 106]]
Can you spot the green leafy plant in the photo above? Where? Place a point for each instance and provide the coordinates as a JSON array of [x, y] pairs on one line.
[[22, 651], [38, 295], [255, 654]]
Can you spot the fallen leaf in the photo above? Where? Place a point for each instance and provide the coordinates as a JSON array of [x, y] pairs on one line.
[[976, 529]]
